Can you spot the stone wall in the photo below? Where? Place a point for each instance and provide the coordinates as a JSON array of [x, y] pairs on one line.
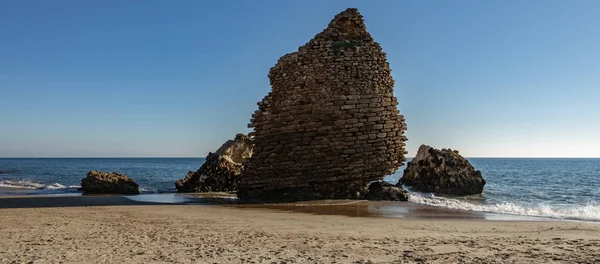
[[330, 125]]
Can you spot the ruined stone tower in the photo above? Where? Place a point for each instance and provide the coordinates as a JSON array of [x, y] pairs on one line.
[[330, 125]]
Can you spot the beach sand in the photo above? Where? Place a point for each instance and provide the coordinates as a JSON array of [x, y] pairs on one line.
[[151, 233]]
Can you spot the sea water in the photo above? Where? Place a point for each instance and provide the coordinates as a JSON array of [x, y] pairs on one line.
[[63, 175], [549, 188]]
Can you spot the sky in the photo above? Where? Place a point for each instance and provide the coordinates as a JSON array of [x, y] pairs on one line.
[[178, 78]]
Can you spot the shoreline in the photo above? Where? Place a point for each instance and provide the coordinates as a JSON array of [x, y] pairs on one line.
[[228, 234], [349, 208]]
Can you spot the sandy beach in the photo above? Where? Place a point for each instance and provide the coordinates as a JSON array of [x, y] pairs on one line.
[[150, 233]]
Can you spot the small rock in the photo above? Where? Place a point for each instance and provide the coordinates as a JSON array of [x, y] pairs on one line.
[[379, 191], [442, 171], [108, 182]]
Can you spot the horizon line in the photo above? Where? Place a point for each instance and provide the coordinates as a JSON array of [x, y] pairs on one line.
[[190, 157]]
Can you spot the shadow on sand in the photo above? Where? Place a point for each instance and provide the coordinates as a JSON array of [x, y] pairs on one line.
[[79, 200]]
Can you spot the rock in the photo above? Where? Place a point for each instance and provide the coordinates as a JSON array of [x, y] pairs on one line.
[[442, 171], [108, 182], [383, 191], [330, 125], [221, 170]]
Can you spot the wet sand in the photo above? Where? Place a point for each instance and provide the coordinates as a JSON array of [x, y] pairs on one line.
[[386, 209], [115, 229], [352, 208]]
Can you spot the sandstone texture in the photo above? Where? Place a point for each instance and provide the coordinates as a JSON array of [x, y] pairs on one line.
[[330, 125], [221, 170], [108, 182], [442, 171], [383, 191]]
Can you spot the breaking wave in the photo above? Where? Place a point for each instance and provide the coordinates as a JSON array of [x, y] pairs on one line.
[[147, 190], [30, 185], [23, 184], [586, 212]]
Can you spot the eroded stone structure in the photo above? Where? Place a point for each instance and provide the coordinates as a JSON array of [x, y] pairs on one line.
[[221, 170], [330, 125]]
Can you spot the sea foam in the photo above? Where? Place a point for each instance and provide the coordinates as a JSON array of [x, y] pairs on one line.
[[585, 212], [24, 184]]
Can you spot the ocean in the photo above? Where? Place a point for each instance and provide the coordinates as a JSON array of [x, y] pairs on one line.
[[547, 188]]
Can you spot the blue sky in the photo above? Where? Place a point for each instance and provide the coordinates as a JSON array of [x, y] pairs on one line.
[[178, 78]]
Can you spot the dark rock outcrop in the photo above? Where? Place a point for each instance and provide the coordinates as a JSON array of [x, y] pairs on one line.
[[330, 125], [221, 170], [108, 182], [442, 171], [383, 191]]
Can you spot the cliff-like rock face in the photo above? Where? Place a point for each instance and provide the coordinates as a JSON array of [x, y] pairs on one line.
[[221, 170], [108, 182], [330, 124], [442, 171]]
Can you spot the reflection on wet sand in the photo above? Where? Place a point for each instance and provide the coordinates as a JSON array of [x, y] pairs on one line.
[[351, 208], [360, 208], [368, 209]]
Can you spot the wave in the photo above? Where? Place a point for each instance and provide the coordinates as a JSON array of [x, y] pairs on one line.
[[587, 212], [30, 185], [147, 190], [23, 184], [57, 186]]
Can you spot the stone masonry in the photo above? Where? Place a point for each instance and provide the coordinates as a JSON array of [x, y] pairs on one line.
[[330, 125]]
